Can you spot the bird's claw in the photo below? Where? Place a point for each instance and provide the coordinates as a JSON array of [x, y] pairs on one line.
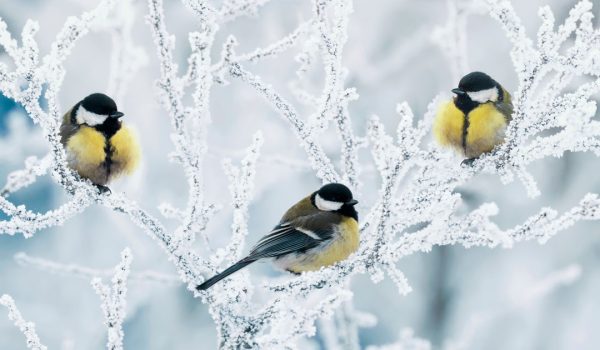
[[468, 162], [103, 189]]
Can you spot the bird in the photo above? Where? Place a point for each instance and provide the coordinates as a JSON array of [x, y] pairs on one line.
[[475, 120], [320, 230], [98, 145]]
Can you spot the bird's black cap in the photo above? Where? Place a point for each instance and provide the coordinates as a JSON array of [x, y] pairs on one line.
[[475, 81], [336, 192], [100, 104]]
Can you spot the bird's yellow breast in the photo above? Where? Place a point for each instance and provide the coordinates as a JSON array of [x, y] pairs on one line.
[[448, 125], [338, 250], [126, 149], [86, 146], [486, 128]]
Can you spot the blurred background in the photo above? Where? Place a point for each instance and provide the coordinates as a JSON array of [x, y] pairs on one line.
[[529, 297]]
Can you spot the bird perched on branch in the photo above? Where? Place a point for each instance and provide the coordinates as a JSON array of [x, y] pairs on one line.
[[474, 122], [99, 147], [320, 230]]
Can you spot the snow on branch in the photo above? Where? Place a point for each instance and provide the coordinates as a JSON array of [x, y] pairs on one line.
[[319, 160], [476, 228], [451, 37], [520, 299], [127, 58], [27, 222], [418, 181], [228, 55], [25, 85], [18, 179], [406, 341], [231, 9], [241, 184], [428, 195], [341, 330], [334, 98], [113, 300], [189, 123], [50, 73], [88, 273], [292, 322], [540, 105], [27, 328]]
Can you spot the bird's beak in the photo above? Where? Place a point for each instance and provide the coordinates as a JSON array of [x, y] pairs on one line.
[[458, 91], [116, 115], [352, 202]]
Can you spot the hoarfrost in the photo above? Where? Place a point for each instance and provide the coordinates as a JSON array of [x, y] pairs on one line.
[[418, 180]]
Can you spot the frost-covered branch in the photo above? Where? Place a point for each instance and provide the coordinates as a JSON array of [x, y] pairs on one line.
[[189, 123], [37, 72], [231, 9], [27, 222], [341, 330], [126, 56], [241, 184], [521, 299], [18, 179], [418, 182], [334, 98], [113, 300], [452, 36], [406, 341], [540, 106], [88, 273], [27, 328], [319, 160], [258, 54]]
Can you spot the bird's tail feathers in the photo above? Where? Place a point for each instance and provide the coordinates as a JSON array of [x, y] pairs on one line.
[[231, 269]]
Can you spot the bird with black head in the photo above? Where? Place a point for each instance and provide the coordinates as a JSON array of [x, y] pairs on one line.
[[98, 145], [320, 230], [475, 120]]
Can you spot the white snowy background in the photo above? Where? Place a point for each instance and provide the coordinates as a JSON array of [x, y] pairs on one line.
[[531, 296]]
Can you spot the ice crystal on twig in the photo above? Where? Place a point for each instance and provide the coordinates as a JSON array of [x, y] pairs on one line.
[[87, 272], [554, 112], [27, 328], [113, 300], [406, 341]]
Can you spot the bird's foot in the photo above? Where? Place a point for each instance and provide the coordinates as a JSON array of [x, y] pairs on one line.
[[468, 162], [103, 189]]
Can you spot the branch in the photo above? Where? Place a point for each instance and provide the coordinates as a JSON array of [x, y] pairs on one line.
[[27, 328], [18, 179], [113, 301], [319, 160], [86, 272]]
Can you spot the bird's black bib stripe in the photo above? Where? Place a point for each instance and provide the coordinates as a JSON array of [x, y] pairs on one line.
[[348, 210], [108, 129], [465, 131], [108, 152], [465, 105]]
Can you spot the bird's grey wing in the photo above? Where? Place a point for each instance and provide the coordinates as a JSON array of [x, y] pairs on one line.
[[505, 106], [67, 129], [297, 235]]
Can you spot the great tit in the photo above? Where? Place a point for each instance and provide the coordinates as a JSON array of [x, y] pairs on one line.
[[99, 147], [320, 230], [474, 121]]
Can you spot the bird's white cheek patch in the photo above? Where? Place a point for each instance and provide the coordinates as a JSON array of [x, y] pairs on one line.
[[327, 205], [484, 96], [90, 118]]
